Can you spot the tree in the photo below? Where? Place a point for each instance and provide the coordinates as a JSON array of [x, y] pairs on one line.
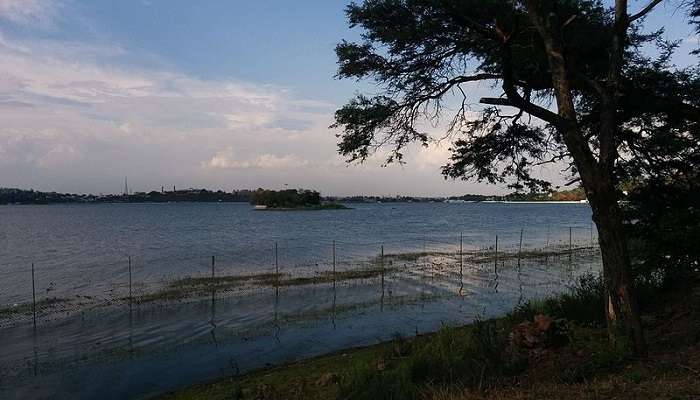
[[584, 91]]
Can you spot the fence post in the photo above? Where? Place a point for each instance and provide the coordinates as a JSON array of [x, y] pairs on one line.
[[212, 268], [382, 266], [495, 264], [334, 262], [461, 264], [130, 291], [570, 244], [520, 248], [277, 268], [33, 297], [546, 246], [381, 300], [592, 245]]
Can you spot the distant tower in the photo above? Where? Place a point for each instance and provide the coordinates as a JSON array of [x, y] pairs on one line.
[[126, 186]]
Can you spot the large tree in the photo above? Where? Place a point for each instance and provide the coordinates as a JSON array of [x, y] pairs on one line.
[[577, 82]]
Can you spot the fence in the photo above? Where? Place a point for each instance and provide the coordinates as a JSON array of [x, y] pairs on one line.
[[273, 265]]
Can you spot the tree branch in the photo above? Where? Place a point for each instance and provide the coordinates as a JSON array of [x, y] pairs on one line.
[[530, 108], [646, 10]]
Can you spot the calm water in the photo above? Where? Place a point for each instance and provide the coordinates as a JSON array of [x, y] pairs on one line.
[[81, 252]]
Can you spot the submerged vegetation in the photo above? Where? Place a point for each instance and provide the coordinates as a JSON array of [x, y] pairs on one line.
[[192, 287], [27, 308]]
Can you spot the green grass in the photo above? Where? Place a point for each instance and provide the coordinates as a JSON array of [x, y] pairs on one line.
[[583, 304], [26, 308], [200, 286]]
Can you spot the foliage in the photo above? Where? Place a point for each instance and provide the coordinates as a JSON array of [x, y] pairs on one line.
[[664, 225], [290, 198], [425, 55], [581, 304], [474, 357]]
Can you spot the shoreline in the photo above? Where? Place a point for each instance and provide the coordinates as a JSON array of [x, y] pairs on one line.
[[296, 209], [488, 359]]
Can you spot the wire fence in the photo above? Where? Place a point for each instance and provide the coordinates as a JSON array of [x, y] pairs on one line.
[[33, 294]]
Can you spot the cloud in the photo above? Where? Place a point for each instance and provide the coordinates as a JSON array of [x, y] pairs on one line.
[[30, 12], [692, 40], [62, 153], [78, 116], [226, 159], [61, 106]]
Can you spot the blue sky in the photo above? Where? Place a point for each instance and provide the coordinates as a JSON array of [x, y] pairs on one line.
[[220, 94]]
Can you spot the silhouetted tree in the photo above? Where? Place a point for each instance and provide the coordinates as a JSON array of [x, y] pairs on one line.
[[583, 90]]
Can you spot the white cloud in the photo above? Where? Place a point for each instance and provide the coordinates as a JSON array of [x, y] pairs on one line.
[[59, 155], [76, 118], [226, 159], [34, 12], [60, 106], [692, 40], [432, 157]]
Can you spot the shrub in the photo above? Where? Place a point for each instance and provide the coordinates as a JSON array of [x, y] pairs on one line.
[[663, 223], [473, 357], [584, 303]]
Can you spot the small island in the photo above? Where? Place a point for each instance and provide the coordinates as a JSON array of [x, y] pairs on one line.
[[291, 199]]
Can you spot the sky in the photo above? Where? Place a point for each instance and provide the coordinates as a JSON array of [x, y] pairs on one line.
[[217, 94]]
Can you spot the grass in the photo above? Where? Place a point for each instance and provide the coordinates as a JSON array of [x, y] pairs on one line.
[[199, 286], [482, 256], [583, 304], [26, 308]]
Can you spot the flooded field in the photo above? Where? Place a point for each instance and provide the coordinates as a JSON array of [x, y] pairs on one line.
[[196, 318]]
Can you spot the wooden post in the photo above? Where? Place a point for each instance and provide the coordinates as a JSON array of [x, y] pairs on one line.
[[520, 248], [382, 265], [592, 245], [334, 262], [130, 291], [570, 244], [495, 264], [277, 268], [212, 269], [381, 300], [33, 297], [461, 264]]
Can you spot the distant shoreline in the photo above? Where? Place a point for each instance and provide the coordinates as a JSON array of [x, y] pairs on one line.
[[322, 207], [301, 208]]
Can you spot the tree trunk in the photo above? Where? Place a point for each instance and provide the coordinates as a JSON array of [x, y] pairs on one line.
[[621, 309]]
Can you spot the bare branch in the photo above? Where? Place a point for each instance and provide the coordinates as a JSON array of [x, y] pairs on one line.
[[530, 108], [646, 10]]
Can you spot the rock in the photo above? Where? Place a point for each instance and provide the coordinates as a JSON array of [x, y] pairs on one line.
[[543, 323], [381, 365], [327, 379], [543, 331]]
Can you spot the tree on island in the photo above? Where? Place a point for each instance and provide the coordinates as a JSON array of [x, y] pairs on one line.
[[575, 86], [289, 198]]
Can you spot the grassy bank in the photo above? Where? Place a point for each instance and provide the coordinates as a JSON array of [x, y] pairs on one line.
[[486, 360]]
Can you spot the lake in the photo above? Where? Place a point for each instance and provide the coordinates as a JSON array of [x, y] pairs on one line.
[[90, 335]]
